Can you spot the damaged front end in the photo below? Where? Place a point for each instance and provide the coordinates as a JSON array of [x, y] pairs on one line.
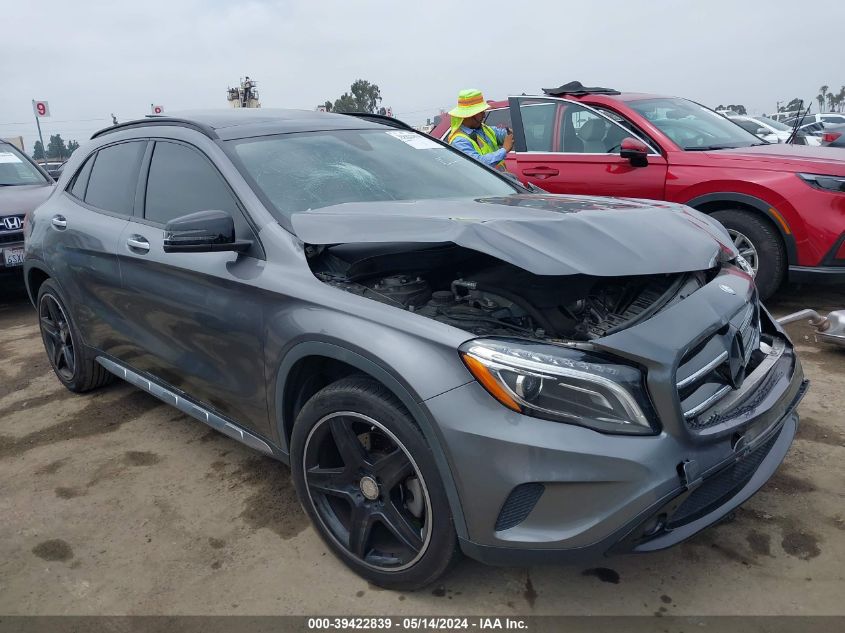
[[485, 296], [542, 267], [632, 319]]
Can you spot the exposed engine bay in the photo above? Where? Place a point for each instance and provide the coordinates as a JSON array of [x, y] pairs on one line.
[[486, 296]]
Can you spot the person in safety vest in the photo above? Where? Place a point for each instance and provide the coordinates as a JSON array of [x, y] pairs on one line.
[[470, 135]]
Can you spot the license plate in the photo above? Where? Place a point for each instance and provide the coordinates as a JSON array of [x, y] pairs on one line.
[[13, 256]]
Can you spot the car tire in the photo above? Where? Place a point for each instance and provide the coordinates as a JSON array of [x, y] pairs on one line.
[[72, 362], [766, 242], [358, 459]]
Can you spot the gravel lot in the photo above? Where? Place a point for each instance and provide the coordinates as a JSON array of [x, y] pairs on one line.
[[113, 503]]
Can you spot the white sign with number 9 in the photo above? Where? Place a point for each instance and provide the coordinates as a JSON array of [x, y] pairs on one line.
[[41, 108]]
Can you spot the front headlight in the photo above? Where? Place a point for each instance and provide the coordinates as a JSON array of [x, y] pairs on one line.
[[560, 384], [826, 183]]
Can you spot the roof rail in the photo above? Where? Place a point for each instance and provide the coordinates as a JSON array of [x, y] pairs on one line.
[[159, 120], [380, 118]]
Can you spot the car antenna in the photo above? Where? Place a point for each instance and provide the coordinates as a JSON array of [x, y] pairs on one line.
[[797, 123]]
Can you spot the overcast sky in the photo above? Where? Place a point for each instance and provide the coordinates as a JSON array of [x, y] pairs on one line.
[[90, 58]]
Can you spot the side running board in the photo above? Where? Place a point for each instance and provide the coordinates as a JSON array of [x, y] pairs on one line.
[[186, 406]]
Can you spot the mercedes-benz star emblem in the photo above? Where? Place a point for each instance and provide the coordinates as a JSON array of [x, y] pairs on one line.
[[726, 288]]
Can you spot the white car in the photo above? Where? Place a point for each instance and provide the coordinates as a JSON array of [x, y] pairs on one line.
[[777, 132], [764, 127], [828, 118], [811, 132]]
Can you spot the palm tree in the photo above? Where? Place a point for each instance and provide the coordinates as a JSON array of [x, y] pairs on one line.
[[831, 101], [841, 98], [821, 96]]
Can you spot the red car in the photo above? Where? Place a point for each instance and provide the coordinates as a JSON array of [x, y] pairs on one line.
[[784, 205]]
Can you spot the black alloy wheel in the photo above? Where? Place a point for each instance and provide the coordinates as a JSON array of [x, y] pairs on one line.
[[74, 364], [57, 336], [367, 491]]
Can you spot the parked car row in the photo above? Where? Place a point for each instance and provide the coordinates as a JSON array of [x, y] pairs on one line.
[[776, 132], [782, 204], [825, 118]]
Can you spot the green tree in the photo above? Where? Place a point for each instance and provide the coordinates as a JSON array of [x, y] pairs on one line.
[[38, 151], [738, 108], [821, 96], [796, 105], [56, 147], [328, 106], [72, 146], [362, 97], [841, 98], [831, 101]]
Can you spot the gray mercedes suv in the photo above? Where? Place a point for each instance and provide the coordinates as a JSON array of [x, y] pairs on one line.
[[447, 361]]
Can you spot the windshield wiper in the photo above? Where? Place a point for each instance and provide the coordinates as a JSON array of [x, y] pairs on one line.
[[707, 148]]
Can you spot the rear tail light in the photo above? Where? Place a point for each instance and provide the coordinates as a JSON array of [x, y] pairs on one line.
[[829, 137]]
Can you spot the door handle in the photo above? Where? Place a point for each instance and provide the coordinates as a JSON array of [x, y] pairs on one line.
[[59, 222], [138, 243], [540, 172]]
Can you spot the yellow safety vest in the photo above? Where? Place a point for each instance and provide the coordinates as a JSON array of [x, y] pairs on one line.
[[484, 147]]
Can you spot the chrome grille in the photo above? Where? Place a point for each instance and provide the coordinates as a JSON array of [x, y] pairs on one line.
[[11, 238], [717, 365]]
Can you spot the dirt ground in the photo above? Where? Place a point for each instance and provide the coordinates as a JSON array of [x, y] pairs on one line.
[[113, 503]]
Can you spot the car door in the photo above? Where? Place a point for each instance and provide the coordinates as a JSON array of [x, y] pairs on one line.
[[566, 147], [194, 320], [81, 242]]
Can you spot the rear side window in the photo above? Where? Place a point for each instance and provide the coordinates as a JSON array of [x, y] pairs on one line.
[[114, 177], [80, 180], [183, 181]]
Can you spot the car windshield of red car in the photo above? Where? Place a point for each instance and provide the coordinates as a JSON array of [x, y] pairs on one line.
[[692, 126]]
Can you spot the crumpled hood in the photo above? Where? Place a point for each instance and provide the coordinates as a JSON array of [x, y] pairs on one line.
[[543, 234], [21, 199]]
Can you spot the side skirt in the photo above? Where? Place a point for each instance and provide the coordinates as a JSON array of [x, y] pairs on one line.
[[186, 406]]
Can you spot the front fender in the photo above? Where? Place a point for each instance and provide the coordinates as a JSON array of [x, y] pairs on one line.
[[364, 362]]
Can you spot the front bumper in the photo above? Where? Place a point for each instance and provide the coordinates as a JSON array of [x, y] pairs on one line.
[[596, 504], [536, 491]]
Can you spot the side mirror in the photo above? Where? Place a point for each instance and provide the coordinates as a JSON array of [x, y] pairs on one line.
[[761, 131], [203, 232], [635, 151]]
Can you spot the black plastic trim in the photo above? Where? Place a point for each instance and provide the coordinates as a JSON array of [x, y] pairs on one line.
[[761, 205], [817, 275], [830, 258]]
